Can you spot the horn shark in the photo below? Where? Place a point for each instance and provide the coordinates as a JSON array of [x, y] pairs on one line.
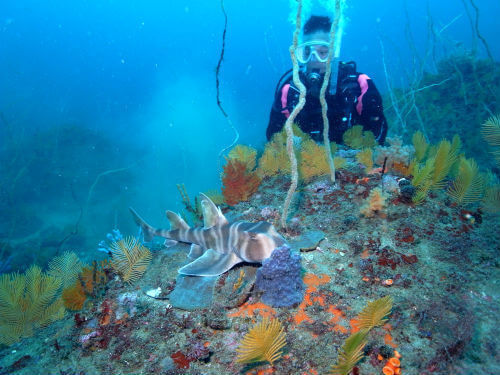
[[218, 245]]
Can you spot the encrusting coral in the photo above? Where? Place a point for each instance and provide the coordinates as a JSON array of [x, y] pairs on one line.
[[396, 155], [375, 203]]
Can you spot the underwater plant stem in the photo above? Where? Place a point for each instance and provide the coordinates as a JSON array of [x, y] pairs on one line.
[[476, 25], [382, 174], [96, 181], [221, 57], [394, 102], [431, 38], [326, 81], [418, 63], [417, 113], [217, 84], [74, 232], [435, 35], [404, 104], [235, 140], [291, 118], [474, 36]]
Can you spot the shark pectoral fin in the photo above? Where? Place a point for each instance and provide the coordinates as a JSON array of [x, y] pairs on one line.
[[196, 251], [170, 243], [211, 263]]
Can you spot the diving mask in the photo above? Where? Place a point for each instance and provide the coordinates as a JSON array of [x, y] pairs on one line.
[[305, 51]]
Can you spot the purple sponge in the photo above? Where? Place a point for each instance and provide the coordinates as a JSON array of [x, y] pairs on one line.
[[279, 278]]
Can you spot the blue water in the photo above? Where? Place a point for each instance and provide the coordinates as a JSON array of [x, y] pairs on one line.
[[143, 77]]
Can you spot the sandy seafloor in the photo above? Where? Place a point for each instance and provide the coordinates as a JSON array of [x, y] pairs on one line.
[[442, 259]]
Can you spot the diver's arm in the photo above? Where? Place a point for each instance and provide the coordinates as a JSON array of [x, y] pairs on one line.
[[276, 121], [278, 115], [372, 116]]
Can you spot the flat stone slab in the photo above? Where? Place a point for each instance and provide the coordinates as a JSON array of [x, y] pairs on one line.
[[307, 241], [193, 292]]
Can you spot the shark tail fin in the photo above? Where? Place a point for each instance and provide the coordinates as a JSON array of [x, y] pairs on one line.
[[148, 230], [176, 222]]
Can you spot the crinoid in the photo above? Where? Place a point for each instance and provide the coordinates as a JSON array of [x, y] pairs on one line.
[[491, 133], [263, 342], [375, 313], [130, 259], [350, 354]]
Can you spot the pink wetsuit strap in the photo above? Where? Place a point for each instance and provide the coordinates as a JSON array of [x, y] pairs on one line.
[[363, 84], [284, 100]]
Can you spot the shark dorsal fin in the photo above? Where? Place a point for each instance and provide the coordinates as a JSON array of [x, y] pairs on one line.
[[212, 214], [176, 222]]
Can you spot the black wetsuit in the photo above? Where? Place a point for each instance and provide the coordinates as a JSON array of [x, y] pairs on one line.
[[343, 110]]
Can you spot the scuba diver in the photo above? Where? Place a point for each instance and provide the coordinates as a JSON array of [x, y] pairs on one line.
[[356, 100]]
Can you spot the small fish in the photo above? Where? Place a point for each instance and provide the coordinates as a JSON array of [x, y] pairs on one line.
[[218, 245]]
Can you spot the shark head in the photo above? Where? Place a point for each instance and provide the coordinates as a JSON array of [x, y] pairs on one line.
[[258, 242]]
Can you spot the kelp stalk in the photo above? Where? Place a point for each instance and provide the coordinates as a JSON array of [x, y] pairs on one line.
[[324, 106], [291, 118], [217, 83]]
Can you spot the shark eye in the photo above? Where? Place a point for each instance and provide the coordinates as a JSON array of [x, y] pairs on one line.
[[253, 236]]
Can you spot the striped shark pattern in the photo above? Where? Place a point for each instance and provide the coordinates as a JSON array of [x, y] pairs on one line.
[[218, 245]]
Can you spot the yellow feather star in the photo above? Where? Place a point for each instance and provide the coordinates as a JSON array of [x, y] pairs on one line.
[[263, 342], [130, 259], [374, 314]]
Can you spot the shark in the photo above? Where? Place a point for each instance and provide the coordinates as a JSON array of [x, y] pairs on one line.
[[218, 245]]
